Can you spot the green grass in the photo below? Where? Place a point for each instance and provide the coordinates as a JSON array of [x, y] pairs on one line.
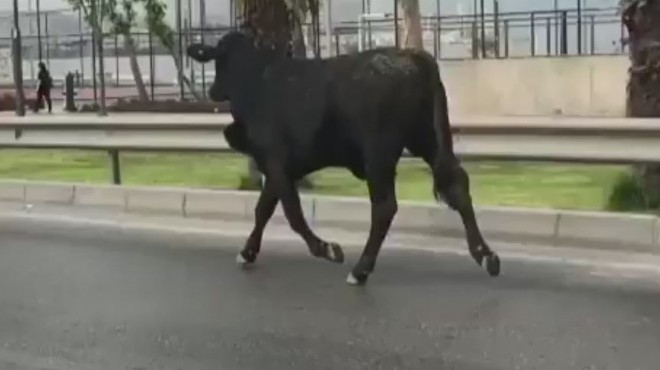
[[493, 183]]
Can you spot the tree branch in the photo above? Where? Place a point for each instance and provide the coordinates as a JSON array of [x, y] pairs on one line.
[[84, 8]]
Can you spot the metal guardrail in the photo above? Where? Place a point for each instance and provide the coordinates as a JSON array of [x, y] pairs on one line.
[[581, 140]]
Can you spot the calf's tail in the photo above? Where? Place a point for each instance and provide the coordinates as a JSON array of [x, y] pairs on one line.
[[444, 160]]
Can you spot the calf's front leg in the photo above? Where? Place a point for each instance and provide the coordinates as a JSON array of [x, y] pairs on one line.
[[288, 195], [263, 211]]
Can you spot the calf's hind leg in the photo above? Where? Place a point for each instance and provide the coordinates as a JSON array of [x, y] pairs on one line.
[[382, 193], [453, 185]]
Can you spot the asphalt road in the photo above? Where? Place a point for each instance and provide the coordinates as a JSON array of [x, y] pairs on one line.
[[107, 301]]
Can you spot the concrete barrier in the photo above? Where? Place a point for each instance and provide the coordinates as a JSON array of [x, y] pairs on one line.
[[155, 200], [307, 204], [210, 204], [616, 229], [549, 227], [49, 193], [100, 196], [12, 191], [343, 212], [572, 85], [519, 224]]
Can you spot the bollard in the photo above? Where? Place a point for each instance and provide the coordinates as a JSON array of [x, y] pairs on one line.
[[116, 167], [255, 178], [69, 93]]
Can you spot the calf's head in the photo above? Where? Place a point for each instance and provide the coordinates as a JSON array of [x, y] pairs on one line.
[[234, 57]]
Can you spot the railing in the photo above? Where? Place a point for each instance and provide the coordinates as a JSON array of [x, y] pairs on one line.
[[570, 31], [585, 140], [564, 31]]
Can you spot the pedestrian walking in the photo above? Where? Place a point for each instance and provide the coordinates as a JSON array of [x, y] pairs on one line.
[[43, 90]]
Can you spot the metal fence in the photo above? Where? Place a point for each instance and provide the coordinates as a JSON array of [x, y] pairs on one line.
[[571, 31], [571, 139]]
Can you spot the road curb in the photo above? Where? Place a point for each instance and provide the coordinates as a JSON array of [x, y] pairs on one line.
[[550, 227]]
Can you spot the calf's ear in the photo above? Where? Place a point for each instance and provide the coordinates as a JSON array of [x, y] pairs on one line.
[[201, 53]]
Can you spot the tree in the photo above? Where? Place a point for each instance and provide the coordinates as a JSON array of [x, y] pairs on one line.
[[268, 22], [412, 21], [276, 24], [122, 18], [300, 9], [155, 19], [642, 20], [121, 15]]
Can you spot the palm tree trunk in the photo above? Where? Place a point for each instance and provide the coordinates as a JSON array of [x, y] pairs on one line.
[[299, 48], [412, 20], [129, 44], [642, 19], [267, 20], [314, 9]]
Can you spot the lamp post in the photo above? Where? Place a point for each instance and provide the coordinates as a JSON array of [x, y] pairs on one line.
[[39, 30], [397, 42], [328, 26], [483, 29], [202, 26], [18, 64], [99, 39], [179, 32]]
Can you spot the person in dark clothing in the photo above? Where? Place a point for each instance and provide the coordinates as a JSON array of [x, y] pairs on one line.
[[43, 91]]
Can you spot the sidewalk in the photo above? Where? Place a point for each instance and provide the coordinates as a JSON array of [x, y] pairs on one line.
[[61, 117], [111, 92]]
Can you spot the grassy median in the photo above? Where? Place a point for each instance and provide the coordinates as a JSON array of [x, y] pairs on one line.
[[494, 183]]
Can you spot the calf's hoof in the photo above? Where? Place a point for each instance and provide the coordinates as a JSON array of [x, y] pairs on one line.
[[356, 279], [245, 258], [333, 252], [493, 265]]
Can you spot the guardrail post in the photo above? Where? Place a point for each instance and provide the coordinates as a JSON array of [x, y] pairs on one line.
[[116, 167], [254, 176]]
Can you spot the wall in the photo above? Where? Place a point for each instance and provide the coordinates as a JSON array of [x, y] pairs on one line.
[[584, 86], [6, 67]]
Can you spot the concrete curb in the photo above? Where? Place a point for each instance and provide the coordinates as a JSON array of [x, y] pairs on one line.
[[549, 227]]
